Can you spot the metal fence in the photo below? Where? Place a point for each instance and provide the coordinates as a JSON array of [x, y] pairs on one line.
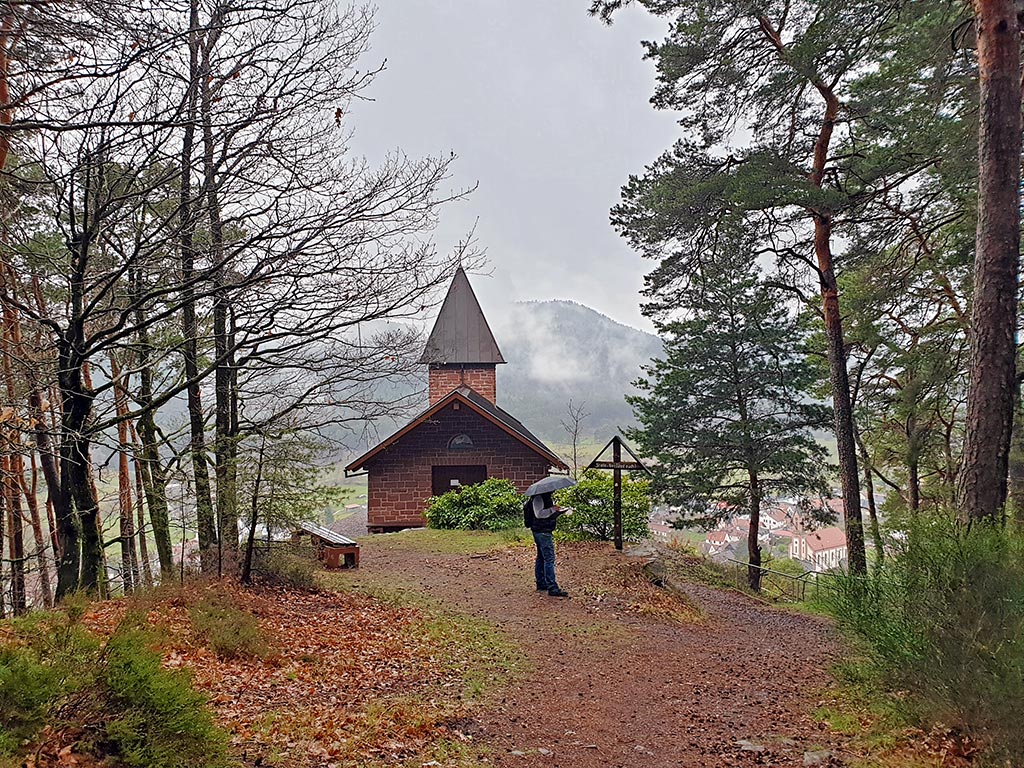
[[784, 587]]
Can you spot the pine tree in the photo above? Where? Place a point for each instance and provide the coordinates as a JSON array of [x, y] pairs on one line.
[[726, 415]]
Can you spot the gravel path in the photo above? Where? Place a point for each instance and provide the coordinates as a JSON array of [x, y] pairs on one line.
[[608, 686]]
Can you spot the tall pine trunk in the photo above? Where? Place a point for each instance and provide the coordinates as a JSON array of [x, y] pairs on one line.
[[839, 378], [10, 466], [992, 385], [753, 546]]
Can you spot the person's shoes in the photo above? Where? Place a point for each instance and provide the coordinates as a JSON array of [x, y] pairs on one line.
[[541, 589], [558, 592]]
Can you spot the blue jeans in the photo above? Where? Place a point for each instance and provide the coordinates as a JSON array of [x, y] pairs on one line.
[[544, 565]]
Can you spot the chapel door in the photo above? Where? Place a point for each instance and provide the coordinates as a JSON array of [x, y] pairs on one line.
[[448, 477]]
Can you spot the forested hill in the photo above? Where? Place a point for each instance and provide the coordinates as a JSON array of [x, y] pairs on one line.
[[557, 350]]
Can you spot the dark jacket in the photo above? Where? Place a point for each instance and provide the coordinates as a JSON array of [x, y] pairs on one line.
[[540, 524]]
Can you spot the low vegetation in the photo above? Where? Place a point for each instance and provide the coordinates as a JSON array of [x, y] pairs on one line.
[[293, 570], [216, 675], [64, 689], [943, 620], [593, 518], [229, 631], [492, 505]]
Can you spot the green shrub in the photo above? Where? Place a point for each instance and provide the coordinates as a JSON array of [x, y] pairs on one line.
[[229, 631], [157, 720], [115, 694], [492, 505], [593, 518], [943, 618], [290, 569]]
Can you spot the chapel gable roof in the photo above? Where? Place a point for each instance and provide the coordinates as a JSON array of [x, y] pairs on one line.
[[461, 333], [481, 405]]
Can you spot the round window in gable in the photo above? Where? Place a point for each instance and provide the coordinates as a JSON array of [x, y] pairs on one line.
[[461, 442]]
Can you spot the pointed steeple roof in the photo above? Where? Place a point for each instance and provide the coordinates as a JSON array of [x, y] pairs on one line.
[[461, 333]]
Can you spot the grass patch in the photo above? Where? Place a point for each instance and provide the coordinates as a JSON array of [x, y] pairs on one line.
[[473, 649], [227, 630], [878, 724], [450, 542]]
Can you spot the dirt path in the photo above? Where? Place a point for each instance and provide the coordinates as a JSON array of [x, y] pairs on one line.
[[606, 686]]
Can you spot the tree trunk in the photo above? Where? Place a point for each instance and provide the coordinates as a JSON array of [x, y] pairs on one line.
[[869, 487], [150, 465], [39, 540], [190, 328], [10, 466], [3, 538], [224, 441], [838, 375], [140, 497], [126, 517], [250, 542], [753, 546], [1015, 470], [990, 393]]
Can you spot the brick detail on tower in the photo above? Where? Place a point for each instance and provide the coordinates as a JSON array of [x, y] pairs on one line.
[[445, 379]]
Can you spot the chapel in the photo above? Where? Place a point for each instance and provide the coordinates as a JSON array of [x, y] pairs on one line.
[[462, 437]]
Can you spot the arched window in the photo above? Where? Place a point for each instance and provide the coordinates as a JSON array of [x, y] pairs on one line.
[[461, 442]]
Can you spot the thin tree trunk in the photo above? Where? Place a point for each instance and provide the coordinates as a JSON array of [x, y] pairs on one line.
[[992, 384], [150, 465], [42, 563], [869, 487], [126, 517], [13, 467], [140, 496], [10, 466], [10, 34], [224, 442], [3, 538], [190, 328], [47, 461], [250, 542]]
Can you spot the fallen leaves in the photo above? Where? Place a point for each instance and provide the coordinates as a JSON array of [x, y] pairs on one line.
[[347, 680]]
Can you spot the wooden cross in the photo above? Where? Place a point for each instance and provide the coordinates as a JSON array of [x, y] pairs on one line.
[[616, 465]]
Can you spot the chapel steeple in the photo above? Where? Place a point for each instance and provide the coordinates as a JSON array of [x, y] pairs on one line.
[[461, 350]]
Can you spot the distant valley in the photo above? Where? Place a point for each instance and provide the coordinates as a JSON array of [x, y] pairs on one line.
[[557, 350]]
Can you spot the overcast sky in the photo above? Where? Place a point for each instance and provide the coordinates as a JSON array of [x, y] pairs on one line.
[[547, 110]]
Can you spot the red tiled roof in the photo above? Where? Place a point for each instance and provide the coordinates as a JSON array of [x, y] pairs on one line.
[[826, 538]]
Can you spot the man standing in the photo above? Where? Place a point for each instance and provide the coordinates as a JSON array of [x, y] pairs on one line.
[[540, 513]]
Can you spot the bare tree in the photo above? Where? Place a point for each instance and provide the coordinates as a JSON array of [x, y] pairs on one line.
[[573, 424]]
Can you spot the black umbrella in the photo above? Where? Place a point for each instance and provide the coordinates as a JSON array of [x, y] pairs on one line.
[[550, 484]]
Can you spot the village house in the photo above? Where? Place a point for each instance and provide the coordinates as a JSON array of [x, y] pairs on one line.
[[775, 519], [820, 551], [462, 437]]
